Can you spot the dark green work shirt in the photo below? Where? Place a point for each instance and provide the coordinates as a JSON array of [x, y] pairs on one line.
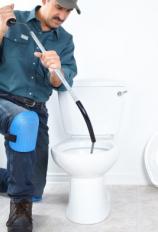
[[21, 73]]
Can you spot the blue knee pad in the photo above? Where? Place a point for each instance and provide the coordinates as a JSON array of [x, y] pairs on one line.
[[25, 127]]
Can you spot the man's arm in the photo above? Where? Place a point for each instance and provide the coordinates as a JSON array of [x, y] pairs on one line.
[[6, 13], [66, 63], [54, 79], [1, 37], [50, 60]]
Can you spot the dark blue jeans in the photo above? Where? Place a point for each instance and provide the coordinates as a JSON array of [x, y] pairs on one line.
[[26, 170]]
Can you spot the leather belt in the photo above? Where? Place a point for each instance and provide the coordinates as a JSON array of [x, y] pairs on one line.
[[27, 101], [22, 100]]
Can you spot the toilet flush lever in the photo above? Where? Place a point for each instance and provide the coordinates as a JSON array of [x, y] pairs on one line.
[[120, 93]]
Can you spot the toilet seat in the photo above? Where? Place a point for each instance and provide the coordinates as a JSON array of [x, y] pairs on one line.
[[77, 151], [151, 159], [84, 141]]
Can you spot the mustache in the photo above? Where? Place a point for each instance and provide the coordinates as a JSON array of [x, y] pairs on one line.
[[57, 18]]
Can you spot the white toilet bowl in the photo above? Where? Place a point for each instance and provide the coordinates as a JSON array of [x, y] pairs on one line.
[[151, 159], [89, 201]]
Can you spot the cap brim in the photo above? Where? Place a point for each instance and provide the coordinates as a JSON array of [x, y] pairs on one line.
[[78, 9]]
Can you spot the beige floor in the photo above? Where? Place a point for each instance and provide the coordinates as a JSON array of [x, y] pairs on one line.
[[134, 209]]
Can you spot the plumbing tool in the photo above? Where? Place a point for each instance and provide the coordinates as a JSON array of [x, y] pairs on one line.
[[12, 21]]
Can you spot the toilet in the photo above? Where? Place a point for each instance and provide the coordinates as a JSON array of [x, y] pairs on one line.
[[151, 159], [89, 200]]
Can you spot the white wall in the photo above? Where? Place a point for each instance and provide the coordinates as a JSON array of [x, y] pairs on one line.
[[116, 40]]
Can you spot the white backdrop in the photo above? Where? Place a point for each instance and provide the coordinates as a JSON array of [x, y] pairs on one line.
[[116, 39]]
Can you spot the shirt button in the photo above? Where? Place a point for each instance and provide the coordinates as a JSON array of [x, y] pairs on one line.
[[15, 40], [30, 93], [32, 77], [34, 63]]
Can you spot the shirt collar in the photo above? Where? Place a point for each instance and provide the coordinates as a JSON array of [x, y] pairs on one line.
[[32, 15]]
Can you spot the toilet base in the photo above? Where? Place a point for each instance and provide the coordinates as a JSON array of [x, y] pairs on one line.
[[89, 202]]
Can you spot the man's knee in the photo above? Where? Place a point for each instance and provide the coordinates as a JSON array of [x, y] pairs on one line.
[[23, 131]]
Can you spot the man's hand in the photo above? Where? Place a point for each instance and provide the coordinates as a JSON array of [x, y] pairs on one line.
[[6, 13], [51, 61]]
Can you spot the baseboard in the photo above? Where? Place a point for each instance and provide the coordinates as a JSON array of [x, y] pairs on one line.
[[111, 179], [57, 177], [125, 179]]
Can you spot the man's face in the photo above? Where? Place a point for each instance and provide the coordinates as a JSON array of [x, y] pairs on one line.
[[54, 14]]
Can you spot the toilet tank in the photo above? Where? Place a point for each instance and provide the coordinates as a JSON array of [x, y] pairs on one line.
[[104, 102]]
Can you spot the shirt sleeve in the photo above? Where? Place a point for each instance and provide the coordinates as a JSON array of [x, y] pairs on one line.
[[68, 64]]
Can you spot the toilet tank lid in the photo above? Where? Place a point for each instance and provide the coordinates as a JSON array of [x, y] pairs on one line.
[[99, 82]]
